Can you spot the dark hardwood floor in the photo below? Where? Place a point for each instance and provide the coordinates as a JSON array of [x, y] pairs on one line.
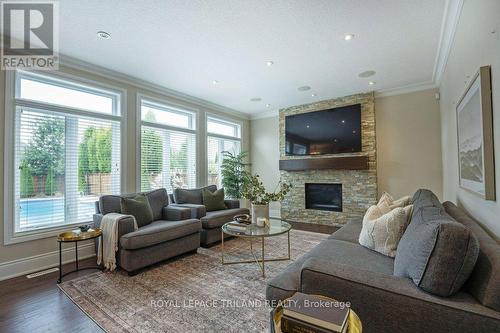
[[38, 305]]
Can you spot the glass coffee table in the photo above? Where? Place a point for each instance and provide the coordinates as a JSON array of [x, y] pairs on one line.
[[275, 227]]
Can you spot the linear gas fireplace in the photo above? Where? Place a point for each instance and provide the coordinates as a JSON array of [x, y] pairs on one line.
[[324, 196]]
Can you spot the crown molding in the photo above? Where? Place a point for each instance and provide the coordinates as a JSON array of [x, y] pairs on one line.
[[406, 89], [143, 84], [451, 16]]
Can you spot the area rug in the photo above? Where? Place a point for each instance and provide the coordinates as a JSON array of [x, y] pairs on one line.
[[193, 293]]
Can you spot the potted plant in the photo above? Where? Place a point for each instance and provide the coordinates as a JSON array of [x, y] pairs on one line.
[[235, 174], [255, 191]]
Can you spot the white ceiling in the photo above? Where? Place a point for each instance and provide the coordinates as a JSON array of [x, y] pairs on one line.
[[185, 45]]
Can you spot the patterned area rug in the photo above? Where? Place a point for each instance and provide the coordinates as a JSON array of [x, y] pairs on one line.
[[193, 293]]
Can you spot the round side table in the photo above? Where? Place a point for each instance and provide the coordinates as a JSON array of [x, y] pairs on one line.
[[355, 325], [72, 237]]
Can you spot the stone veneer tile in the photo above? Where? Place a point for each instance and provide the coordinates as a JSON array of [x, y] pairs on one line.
[[359, 187]]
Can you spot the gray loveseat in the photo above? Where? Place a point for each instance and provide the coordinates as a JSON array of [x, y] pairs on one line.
[[173, 231], [342, 269], [211, 222]]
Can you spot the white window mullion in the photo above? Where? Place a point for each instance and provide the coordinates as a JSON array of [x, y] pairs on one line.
[[71, 170]]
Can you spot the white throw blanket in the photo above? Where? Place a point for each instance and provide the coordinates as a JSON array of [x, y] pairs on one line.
[[109, 226]]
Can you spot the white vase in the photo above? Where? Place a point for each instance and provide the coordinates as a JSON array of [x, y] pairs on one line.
[[244, 203], [259, 211]]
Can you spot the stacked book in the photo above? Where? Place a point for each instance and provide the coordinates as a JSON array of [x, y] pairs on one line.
[[237, 226], [312, 314]]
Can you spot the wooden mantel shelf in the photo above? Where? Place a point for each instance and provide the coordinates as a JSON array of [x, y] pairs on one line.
[[338, 162]]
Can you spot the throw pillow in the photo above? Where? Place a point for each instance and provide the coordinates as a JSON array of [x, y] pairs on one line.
[[213, 200], [382, 232], [387, 202], [139, 208], [437, 253]]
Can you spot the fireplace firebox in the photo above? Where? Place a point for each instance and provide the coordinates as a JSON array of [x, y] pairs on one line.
[[322, 196]]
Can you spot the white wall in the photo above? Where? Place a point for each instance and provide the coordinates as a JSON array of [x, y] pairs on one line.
[[265, 154], [475, 45], [34, 255], [409, 143]]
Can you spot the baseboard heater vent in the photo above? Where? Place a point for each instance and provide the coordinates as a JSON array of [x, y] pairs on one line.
[[45, 272]]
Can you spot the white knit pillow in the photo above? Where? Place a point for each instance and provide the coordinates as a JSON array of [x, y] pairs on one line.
[[387, 202], [382, 232]]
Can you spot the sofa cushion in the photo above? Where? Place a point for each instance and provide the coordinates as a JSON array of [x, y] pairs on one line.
[[382, 233], [436, 252], [158, 232], [217, 218], [191, 196], [111, 203], [213, 200], [425, 198], [138, 207], [287, 282], [349, 232], [157, 200], [484, 282], [387, 202]]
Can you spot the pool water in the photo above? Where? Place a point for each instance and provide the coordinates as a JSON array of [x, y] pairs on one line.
[[51, 211]]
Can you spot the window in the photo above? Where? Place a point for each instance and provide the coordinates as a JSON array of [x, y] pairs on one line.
[[168, 147], [64, 157], [222, 136]]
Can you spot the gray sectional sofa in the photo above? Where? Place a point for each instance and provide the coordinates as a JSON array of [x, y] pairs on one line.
[[211, 222], [342, 269], [173, 231]]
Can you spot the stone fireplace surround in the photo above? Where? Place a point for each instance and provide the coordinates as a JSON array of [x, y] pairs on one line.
[[359, 187]]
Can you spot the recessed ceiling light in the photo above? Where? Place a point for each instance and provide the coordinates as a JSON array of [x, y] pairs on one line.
[[348, 36], [354, 132], [103, 35], [371, 83], [268, 105], [215, 82], [367, 73], [307, 126], [255, 99], [304, 88], [313, 95], [343, 121], [269, 63]]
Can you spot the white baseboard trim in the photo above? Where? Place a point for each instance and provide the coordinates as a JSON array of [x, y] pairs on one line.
[[43, 261]]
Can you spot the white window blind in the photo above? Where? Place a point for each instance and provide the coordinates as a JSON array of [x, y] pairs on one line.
[[63, 162], [223, 136], [168, 155]]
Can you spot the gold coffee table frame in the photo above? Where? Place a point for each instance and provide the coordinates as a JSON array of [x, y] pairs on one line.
[[355, 325], [275, 227]]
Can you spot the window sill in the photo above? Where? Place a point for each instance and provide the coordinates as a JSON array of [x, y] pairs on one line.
[[28, 236]]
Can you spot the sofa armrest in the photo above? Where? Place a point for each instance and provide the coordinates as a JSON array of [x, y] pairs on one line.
[[232, 203], [97, 218], [197, 211], [376, 297], [174, 213], [125, 226]]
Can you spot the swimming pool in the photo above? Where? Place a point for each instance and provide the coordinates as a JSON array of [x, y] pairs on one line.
[[51, 210]]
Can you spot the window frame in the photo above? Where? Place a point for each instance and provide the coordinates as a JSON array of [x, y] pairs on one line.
[[12, 80], [140, 97], [223, 120]]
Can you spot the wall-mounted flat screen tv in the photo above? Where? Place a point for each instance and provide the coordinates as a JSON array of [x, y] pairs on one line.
[[332, 131]]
